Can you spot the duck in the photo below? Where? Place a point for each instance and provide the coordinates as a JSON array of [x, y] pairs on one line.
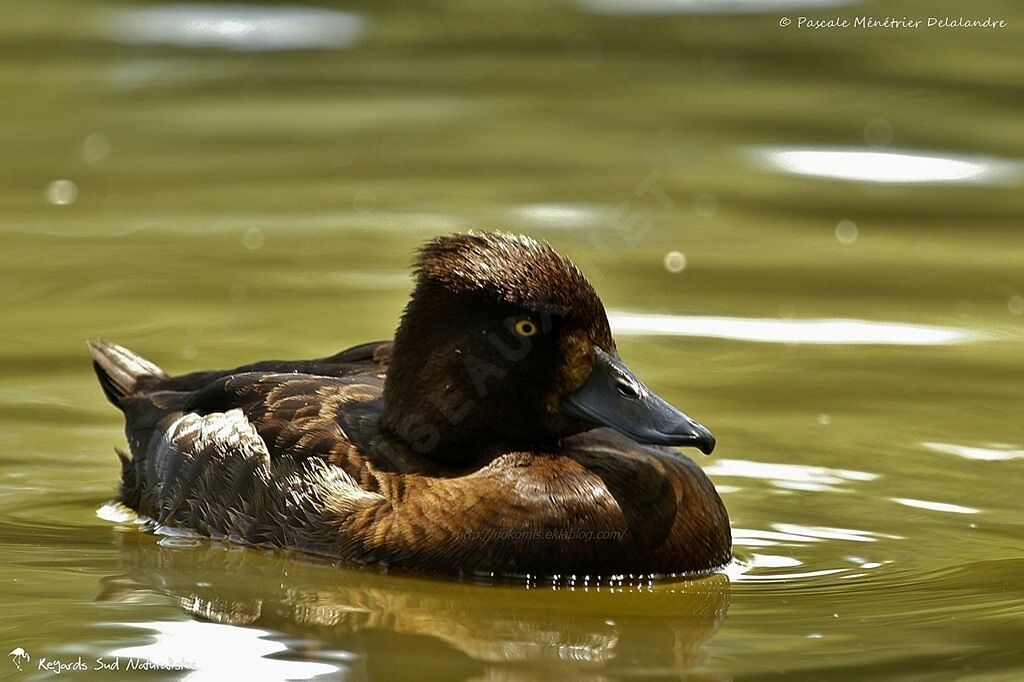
[[499, 433]]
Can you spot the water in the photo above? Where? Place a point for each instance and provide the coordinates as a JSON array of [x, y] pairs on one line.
[[810, 241]]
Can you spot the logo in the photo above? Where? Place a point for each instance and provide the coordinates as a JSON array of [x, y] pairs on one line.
[[19, 656]]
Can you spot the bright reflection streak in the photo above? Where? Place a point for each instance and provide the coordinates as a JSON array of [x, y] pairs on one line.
[[705, 6], [863, 165], [777, 577], [561, 215], [214, 651], [741, 571], [238, 27], [827, 533], [789, 476], [773, 561], [750, 537], [748, 570], [935, 506], [827, 332], [995, 453]]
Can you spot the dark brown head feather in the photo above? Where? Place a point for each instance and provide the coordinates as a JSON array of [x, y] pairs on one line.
[[514, 269], [457, 328]]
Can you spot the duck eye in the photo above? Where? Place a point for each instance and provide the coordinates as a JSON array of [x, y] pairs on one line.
[[526, 328]]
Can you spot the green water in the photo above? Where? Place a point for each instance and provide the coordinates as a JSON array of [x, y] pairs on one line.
[[209, 206]]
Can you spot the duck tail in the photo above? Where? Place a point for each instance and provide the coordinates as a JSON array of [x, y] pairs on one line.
[[120, 370]]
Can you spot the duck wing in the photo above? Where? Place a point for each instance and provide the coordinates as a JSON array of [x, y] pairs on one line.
[[249, 454], [299, 415], [123, 372], [301, 408], [215, 474]]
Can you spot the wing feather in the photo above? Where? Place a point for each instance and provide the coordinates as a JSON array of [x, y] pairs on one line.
[[213, 473]]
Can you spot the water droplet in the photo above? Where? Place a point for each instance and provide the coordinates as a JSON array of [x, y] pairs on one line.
[[675, 262], [95, 148], [705, 205], [61, 192], [1016, 305], [364, 201], [253, 238], [824, 419], [846, 231], [878, 132], [189, 352]]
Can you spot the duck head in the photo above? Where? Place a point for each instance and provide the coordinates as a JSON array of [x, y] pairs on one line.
[[505, 340]]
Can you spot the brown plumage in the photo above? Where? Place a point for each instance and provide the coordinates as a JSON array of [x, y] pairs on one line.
[[467, 445]]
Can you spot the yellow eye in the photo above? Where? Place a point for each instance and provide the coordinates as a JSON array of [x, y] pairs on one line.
[[526, 327]]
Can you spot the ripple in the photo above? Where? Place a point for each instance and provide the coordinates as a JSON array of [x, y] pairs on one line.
[[746, 576], [761, 566], [790, 476], [935, 506], [996, 452], [905, 166], [786, 533], [770, 330], [751, 537], [813, 533], [773, 561], [253, 28], [748, 570]]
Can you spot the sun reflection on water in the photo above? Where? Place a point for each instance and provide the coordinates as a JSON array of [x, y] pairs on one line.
[[790, 476], [252, 28], [890, 166], [995, 452], [216, 651], [766, 330]]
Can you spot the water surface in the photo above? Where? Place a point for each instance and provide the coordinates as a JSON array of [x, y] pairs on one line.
[[810, 240]]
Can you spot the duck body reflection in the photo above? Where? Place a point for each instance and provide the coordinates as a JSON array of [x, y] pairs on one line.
[[357, 620]]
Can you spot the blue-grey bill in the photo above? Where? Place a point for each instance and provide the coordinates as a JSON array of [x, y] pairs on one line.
[[614, 397]]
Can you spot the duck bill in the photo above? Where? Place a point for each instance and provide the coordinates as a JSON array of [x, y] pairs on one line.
[[614, 397]]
